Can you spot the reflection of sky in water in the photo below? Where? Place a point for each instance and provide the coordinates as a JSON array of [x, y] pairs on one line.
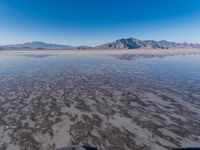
[[173, 67]]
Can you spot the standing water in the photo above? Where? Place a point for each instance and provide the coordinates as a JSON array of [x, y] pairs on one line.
[[50, 102]]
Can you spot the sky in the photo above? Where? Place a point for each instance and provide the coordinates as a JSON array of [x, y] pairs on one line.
[[94, 22]]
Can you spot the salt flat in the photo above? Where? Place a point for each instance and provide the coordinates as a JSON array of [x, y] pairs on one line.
[[140, 52], [48, 102]]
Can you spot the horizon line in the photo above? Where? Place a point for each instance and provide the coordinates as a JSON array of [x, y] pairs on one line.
[[65, 44]]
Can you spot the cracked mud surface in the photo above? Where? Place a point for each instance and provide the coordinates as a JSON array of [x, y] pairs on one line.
[[48, 103]]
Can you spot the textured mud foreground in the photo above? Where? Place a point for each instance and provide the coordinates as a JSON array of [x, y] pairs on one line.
[[111, 106]]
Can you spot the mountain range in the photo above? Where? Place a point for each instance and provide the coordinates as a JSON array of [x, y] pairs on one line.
[[35, 45], [133, 43], [129, 43]]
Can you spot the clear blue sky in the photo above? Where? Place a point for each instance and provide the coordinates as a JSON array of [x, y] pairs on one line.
[[93, 22]]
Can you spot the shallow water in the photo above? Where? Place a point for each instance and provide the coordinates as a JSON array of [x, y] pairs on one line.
[[55, 101]]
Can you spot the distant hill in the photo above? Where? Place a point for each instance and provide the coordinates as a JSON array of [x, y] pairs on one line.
[[133, 43], [84, 47], [35, 45]]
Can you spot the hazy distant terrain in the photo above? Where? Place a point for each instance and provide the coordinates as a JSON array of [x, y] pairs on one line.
[[130, 43], [34, 45]]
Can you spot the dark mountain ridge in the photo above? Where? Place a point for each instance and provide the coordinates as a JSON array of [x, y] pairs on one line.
[[133, 43]]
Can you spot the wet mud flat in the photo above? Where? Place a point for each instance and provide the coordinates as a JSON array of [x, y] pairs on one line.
[[48, 103]]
